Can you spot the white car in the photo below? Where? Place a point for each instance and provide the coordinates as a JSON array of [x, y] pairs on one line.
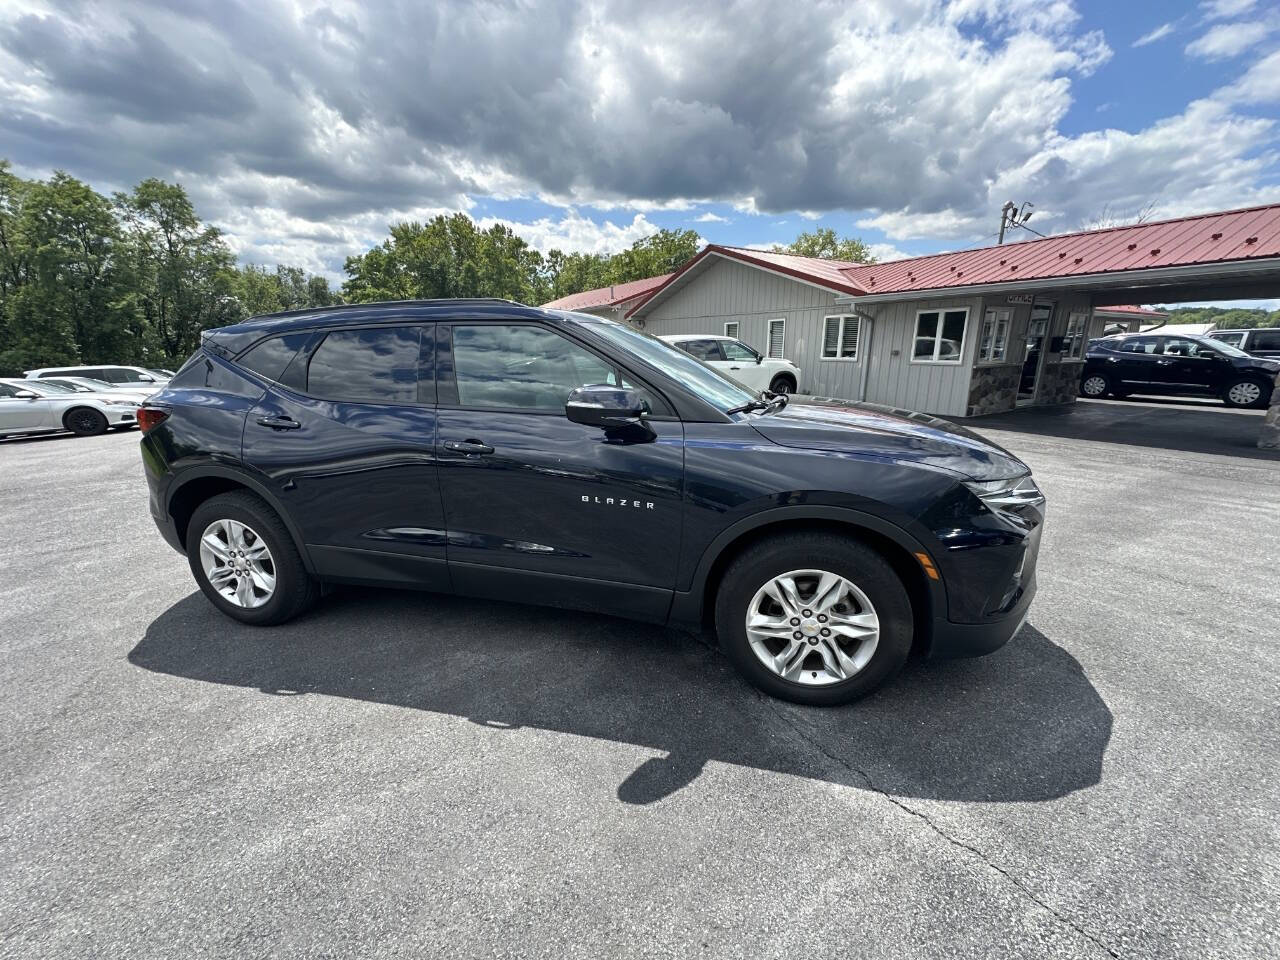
[[114, 374], [32, 406], [89, 385], [739, 362]]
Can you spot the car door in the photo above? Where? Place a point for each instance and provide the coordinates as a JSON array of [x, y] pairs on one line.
[[1180, 367], [743, 364], [1134, 362], [23, 413], [345, 435], [538, 507]]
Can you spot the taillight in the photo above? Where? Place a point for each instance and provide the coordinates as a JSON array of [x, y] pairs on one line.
[[149, 417]]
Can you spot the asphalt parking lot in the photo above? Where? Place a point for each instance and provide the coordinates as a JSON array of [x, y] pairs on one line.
[[406, 775]]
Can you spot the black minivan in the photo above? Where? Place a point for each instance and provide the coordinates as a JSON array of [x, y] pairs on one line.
[[1177, 365]]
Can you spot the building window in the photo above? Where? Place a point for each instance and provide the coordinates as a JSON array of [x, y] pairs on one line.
[[840, 337], [731, 329], [1077, 323], [777, 337], [940, 336], [993, 345]]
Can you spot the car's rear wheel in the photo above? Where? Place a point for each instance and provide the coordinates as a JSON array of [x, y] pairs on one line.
[[815, 619], [85, 421], [1247, 392], [245, 561], [782, 384], [1095, 385]]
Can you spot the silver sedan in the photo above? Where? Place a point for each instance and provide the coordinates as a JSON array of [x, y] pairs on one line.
[[30, 406]]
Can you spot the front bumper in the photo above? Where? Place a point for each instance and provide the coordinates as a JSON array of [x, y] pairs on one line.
[[953, 640]]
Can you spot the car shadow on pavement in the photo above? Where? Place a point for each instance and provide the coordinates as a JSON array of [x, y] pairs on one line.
[[1023, 724]]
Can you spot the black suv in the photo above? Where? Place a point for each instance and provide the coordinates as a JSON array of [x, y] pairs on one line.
[[489, 449], [1176, 365]]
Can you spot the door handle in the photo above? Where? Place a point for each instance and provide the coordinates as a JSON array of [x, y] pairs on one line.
[[279, 423], [1164, 363], [468, 448], [735, 368]]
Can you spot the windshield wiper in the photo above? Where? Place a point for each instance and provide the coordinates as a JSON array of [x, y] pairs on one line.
[[751, 405]]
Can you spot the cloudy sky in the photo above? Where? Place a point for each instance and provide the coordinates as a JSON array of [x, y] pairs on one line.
[[304, 128]]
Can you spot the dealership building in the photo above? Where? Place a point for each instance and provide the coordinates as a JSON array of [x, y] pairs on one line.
[[955, 334]]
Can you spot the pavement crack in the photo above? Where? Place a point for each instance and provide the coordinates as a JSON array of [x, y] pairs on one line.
[[928, 821]]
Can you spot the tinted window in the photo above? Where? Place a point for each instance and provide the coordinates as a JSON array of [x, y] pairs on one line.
[[117, 375], [379, 366], [270, 357], [522, 366], [8, 391], [1181, 347], [1265, 340], [702, 349], [1139, 345]]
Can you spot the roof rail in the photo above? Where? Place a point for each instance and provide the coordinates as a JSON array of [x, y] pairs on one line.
[[387, 303]]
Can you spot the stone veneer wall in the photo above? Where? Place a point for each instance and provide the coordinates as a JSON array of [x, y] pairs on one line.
[[1059, 383], [993, 389]]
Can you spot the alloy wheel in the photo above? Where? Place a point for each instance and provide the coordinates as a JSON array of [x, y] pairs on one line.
[[237, 563], [812, 627]]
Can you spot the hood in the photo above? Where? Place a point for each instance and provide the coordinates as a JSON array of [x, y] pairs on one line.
[[884, 433]]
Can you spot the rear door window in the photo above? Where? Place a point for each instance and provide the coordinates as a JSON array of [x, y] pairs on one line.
[[1140, 345], [703, 349], [1265, 340], [378, 365], [117, 375]]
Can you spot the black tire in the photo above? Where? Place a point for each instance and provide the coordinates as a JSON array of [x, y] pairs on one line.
[[1261, 399], [843, 556], [295, 591], [782, 384], [84, 421], [1108, 387]]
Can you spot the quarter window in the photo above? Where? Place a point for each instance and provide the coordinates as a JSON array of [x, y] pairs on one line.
[[270, 357], [939, 336], [378, 365], [840, 337], [522, 367], [777, 338], [993, 345]]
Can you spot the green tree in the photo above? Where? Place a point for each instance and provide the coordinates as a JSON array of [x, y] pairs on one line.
[[259, 290], [180, 269], [824, 243]]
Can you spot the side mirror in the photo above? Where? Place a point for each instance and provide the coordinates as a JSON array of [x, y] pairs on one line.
[[600, 405], [759, 359], [27, 395]]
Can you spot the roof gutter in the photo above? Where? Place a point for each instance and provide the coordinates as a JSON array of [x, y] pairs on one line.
[[1124, 278]]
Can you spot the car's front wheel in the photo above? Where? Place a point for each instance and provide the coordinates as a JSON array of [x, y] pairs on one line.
[[245, 561], [816, 619], [85, 422], [1247, 392], [782, 384]]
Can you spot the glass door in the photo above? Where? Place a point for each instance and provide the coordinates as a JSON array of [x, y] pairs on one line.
[[1033, 358]]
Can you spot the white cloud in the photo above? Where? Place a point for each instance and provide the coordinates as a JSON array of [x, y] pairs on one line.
[[885, 252], [1260, 84], [1224, 9], [1159, 33], [574, 233], [710, 217], [1228, 40]]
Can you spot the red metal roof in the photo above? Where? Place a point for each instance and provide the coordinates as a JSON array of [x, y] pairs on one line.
[[607, 296], [1133, 311], [1246, 234]]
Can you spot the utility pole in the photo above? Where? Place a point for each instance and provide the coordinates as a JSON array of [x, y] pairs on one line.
[[1012, 216]]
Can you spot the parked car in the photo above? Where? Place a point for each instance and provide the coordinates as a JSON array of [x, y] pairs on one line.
[[38, 407], [740, 362], [1176, 365], [506, 452], [1260, 341], [118, 375], [89, 385]]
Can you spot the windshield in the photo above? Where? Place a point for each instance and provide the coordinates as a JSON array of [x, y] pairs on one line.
[[1224, 347], [694, 375], [89, 383], [44, 388]]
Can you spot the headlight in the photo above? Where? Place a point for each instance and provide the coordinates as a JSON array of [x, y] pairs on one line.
[[1001, 496], [122, 403]]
